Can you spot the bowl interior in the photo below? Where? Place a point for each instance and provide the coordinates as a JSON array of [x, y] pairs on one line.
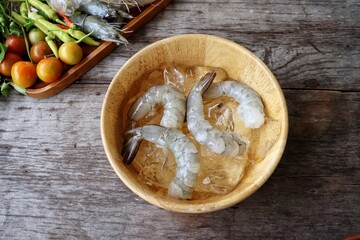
[[192, 50]]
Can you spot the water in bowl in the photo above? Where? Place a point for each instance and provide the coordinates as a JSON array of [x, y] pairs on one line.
[[218, 174]]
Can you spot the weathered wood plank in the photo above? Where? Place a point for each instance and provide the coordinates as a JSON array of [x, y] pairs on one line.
[[56, 182], [307, 44]]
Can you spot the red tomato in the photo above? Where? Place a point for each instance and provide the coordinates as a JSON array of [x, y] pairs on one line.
[[16, 44], [9, 60], [39, 51], [70, 53], [24, 74], [49, 69]]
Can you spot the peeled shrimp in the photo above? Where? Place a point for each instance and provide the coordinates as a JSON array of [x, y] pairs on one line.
[[227, 143], [172, 100], [250, 109], [184, 150]]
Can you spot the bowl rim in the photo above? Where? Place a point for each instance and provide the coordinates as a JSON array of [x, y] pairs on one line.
[[192, 206]]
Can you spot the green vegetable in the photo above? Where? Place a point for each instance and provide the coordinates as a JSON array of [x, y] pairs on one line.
[[19, 89], [23, 9], [10, 26], [4, 22], [5, 88], [47, 10], [25, 22], [35, 17], [3, 48], [82, 37], [50, 35], [63, 36], [6, 84], [18, 18], [52, 46]]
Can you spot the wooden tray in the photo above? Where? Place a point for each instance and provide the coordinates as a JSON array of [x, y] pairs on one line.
[[94, 55]]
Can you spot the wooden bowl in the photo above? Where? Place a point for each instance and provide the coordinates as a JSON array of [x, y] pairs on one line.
[[192, 50]]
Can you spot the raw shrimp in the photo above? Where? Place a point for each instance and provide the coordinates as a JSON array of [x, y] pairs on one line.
[[65, 7], [102, 9], [184, 151], [99, 27], [250, 109], [172, 100], [92, 7], [227, 143]]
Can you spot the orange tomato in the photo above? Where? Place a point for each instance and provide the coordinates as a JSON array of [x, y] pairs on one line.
[[23, 74], [49, 69]]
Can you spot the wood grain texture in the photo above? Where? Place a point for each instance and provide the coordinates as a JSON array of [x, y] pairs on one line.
[[307, 44], [56, 183]]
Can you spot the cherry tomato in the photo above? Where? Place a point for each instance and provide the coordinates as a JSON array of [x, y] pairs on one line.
[[16, 44], [24, 74], [70, 53], [39, 51], [9, 60], [36, 35], [49, 69]]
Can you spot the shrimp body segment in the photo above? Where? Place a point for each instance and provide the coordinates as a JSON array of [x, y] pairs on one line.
[[172, 100], [184, 151], [250, 109], [227, 143]]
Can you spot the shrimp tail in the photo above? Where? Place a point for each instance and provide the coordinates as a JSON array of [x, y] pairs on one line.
[[205, 82], [130, 148]]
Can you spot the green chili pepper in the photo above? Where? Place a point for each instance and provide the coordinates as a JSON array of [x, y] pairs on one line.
[[35, 17], [47, 10], [50, 13], [23, 9], [24, 21], [52, 46], [18, 18], [63, 36], [82, 37]]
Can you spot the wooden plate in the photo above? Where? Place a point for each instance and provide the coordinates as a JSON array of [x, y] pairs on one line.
[[95, 54]]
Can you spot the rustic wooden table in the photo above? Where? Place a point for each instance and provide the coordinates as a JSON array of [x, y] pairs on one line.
[[56, 182]]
